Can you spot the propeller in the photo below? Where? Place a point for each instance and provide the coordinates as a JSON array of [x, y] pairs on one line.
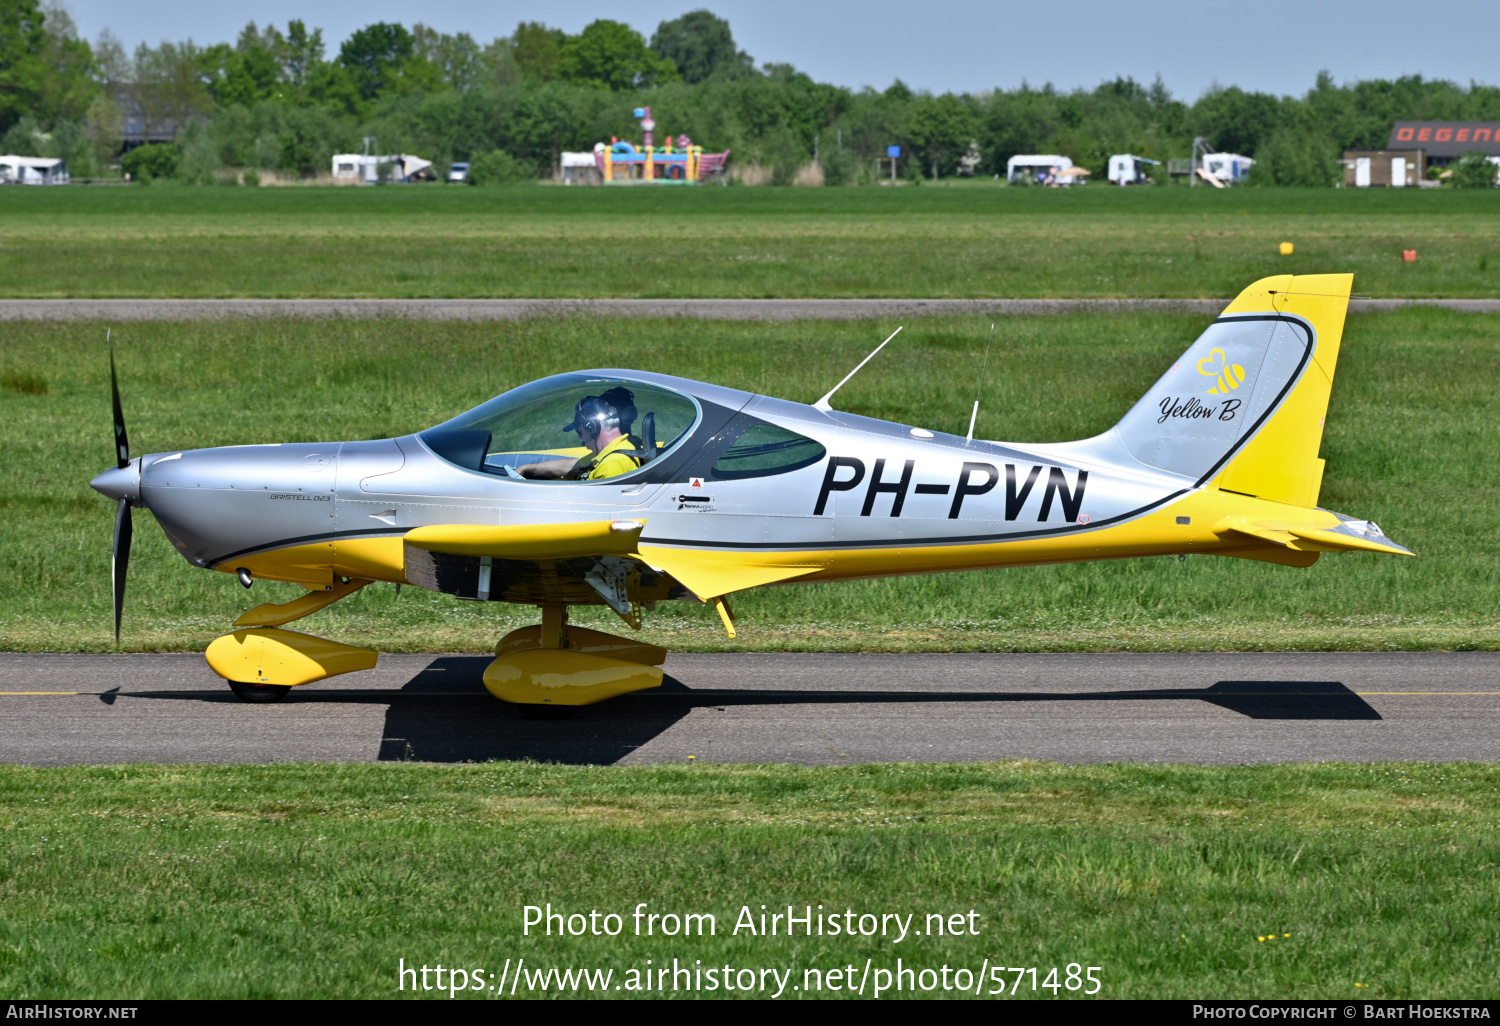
[[123, 531], [122, 443], [123, 526]]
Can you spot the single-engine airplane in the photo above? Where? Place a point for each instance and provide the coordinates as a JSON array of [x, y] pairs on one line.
[[723, 490]]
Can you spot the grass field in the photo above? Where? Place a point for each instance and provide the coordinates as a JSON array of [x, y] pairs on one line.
[[313, 881], [1411, 442], [731, 242]]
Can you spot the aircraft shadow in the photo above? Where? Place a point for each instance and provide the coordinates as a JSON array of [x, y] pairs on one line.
[[444, 714], [459, 728]]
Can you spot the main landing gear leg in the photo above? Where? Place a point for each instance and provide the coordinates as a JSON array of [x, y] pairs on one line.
[[554, 665]]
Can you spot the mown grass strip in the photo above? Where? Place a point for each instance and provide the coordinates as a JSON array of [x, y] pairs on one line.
[[269, 881], [737, 242]]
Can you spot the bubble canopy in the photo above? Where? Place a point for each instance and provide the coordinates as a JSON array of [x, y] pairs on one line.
[[534, 422]]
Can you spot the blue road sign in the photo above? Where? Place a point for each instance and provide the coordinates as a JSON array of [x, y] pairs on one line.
[[893, 152]]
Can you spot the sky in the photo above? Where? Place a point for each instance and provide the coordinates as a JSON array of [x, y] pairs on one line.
[[945, 45]]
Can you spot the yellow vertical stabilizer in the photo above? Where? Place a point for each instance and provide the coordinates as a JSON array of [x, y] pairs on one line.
[[1281, 462]]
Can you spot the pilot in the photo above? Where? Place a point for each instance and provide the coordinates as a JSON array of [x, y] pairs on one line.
[[603, 425]]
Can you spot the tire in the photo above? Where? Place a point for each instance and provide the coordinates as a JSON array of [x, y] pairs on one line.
[[258, 694]]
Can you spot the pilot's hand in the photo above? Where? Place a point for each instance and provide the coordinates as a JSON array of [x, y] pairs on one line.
[[512, 472], [547, 470]]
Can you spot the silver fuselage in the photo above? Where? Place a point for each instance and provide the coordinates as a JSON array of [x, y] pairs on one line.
[[891, 488]]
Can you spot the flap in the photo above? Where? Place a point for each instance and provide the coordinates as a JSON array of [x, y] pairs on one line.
[[710, 573], [530, 541]]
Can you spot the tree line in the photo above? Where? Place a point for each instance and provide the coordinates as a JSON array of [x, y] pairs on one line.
[[281, 99]]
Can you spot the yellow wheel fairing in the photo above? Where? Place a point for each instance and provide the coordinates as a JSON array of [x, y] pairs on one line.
[[270, 655], [549, 676]]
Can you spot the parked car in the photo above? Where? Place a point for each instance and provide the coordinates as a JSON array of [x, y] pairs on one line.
[[459, 172]]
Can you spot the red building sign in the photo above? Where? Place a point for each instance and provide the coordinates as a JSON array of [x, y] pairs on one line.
[[1446, 138]]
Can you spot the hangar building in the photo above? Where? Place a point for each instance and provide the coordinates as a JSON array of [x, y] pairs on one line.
[[1414, 146]]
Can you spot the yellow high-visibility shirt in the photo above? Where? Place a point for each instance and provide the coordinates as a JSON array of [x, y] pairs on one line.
[[611, 462]]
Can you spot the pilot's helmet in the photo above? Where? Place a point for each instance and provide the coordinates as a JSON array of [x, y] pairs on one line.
[[615, 408]]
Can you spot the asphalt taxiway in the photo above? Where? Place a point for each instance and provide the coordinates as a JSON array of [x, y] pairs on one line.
[[794, 708]]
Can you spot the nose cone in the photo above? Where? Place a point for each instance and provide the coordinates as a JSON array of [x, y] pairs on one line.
[[120, 483]]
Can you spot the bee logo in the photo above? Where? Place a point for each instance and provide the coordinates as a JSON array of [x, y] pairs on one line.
[[1228, 376]]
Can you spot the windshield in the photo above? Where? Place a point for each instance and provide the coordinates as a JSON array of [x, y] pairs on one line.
[[537, 423]]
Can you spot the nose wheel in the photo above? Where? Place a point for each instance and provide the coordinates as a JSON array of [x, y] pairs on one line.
[[258, 694]]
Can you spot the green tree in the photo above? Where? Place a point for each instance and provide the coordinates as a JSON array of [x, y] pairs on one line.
[[25, 138], [102, 124], [1473, 171], [249, 71], [612, 55], [548, 119], [374, 56], [334, 87], [151, 161], [1295, 156], [537, 50], [941, 130], [197, 157], [496, 167], [700, 45], [22, 37], [70, 141], [44, 67], [302, 54], [457, 59], [1237, 121], [68, 87], [170, 85]]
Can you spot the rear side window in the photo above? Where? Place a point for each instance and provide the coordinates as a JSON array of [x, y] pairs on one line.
[[765, 450]]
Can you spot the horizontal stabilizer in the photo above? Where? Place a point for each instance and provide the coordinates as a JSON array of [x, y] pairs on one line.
[[1347, 535], [530, 541]]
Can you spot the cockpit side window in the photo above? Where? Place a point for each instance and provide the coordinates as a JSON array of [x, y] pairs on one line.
[[539, 423], [764, 450]]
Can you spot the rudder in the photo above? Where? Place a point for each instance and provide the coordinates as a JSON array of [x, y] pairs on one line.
[[1281, 461]]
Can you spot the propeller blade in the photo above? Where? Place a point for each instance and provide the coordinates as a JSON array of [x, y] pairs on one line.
[[122, 444], [123, 531]]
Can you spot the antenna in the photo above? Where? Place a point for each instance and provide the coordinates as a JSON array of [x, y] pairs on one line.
[[822, 404], [979, 388]]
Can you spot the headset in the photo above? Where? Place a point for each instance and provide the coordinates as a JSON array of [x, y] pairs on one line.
[[593, 413]]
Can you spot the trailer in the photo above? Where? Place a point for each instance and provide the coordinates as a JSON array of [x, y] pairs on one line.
[[1042, 169], [364, 168], [1128, 169], [1228, 168], [16, 170]]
